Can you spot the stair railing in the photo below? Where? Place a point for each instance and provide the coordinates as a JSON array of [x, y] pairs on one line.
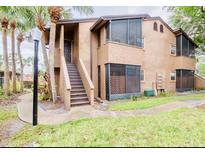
[[65, 84], [89, 87]]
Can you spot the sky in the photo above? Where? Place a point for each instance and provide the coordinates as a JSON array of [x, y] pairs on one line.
[[27, 48]]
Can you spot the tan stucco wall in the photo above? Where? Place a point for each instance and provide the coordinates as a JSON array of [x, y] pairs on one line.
[[154, 58], [84, 44]]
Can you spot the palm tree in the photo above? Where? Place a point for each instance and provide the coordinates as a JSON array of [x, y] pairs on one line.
[[4, 25], [55, 15], [39, 15], [20, 39], [12, 31]]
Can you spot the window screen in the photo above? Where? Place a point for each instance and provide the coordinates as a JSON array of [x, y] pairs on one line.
[[185, 44], [127, 31], [178, 45], [191, 48], [108, 31], [119, 31], [135, 32], [117, 79], [132, 79], [124, 79]]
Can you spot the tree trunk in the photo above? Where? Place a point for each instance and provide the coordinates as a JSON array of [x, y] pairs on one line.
[[6, 64], [13, 60], [21, 63], [46, 62], [51, 60]]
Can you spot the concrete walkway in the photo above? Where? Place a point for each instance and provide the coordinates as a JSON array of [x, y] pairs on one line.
[[57, 116]]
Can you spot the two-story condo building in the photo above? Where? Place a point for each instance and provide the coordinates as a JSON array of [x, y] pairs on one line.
[[114, 57]]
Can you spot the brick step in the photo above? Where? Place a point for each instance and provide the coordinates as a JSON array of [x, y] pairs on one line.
[[73, 73], [77, 87], [74, 91], [76, 83], [75, 79], [76, 95], [72, 68], [79, 99], [79, 103]]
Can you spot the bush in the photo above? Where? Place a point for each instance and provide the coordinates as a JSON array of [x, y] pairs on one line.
[[2, 96], [18, 87], [135, 98], [43, 89], [165, 94]]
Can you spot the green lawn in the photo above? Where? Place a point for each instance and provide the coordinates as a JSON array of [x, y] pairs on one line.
[[182, 127], [7, 113], [151, 102]]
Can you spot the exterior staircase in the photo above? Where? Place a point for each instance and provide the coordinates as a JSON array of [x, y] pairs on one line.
[[78, 93]]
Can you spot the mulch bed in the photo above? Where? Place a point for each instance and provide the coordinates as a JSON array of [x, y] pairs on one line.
[[12, 100]]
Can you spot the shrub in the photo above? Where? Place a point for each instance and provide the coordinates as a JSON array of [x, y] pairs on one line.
[[135, 98], [43, 88], [165, 94]]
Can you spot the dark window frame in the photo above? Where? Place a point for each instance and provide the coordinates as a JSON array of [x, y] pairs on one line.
[[155, 28], [173, 76], [122, 81], [161, 27], [184, 46], [130, 40]]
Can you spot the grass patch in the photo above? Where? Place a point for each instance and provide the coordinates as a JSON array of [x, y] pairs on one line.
[[7, 113], [151, 102], [182, 127]]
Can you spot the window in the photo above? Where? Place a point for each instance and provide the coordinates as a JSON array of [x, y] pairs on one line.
[[119, 31], [173, 76], [128, 31], [161, 28], [142, 75], [173, 49], [155, 26]]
